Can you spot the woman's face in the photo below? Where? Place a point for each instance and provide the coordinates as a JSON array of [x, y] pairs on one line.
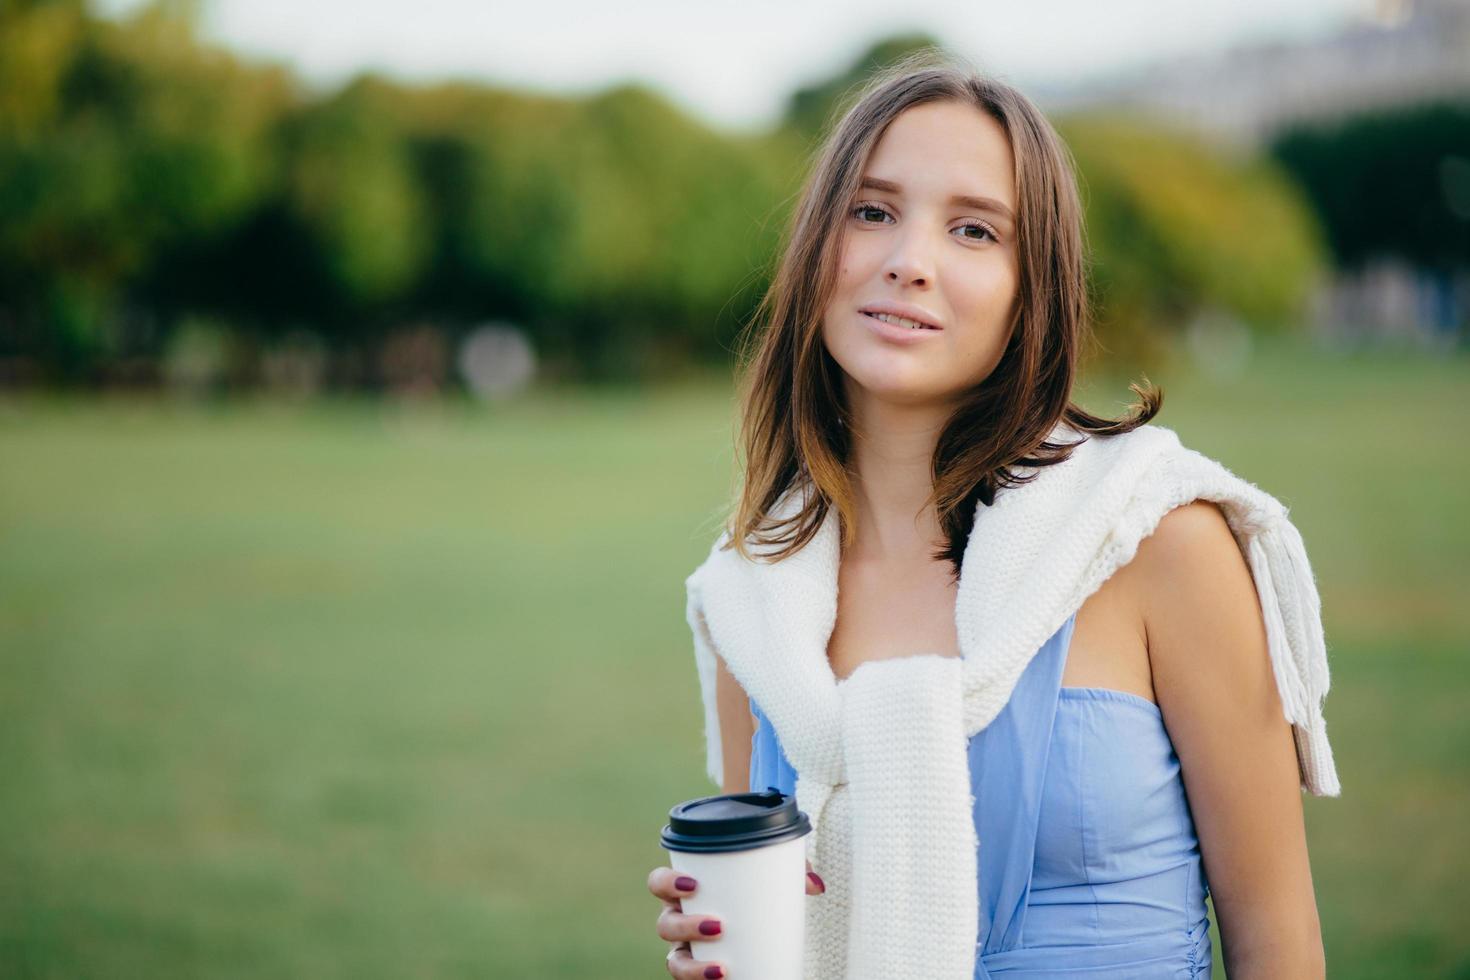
[[911, 241]]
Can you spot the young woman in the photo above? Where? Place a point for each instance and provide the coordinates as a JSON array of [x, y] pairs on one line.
[[921, 344]]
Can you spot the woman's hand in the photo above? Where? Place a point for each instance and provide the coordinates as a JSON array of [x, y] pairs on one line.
[[674, 926]]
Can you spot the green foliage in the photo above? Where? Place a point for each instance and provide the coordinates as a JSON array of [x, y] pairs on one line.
[[115, 140], [1177, 228], [1391, 183], [147, 176], [37, 40], [497, 207], [664, 215], [350, 184], [813, 108], [603, 224]]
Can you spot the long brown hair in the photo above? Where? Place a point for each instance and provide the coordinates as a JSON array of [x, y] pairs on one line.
[[792, 402]]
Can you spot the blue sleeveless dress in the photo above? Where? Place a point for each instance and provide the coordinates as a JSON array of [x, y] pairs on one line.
[[1089, 863]]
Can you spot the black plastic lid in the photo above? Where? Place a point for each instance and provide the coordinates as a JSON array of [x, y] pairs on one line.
[[734, 822]]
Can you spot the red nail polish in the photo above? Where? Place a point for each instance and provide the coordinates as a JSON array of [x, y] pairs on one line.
[[713, 972], [685, 883], [710, 927], [821, 885]]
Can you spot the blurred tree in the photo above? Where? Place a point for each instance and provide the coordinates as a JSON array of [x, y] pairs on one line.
[[493, 216], [665, 224], [349, 182], [1393, 183], [614, 229], [117, 137], [141, 170], [1177, 228]]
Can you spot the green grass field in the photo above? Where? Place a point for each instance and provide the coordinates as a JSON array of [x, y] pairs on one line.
[[362, 690]]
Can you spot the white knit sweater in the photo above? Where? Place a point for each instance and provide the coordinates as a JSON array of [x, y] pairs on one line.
[[881, 757]]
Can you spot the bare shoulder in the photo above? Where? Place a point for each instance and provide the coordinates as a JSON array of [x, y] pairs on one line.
[[1116, 644], [1202, 616], [1189, 537], [1190, 571], [1192, 579]]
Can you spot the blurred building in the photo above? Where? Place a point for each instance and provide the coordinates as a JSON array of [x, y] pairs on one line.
[[1400, 53]]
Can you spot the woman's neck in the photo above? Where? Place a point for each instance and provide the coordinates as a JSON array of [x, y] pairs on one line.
[[891, 466]]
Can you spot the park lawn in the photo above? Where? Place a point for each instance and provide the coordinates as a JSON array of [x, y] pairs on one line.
[[360, 689]]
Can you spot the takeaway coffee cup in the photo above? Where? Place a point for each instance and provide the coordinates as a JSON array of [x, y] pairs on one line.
[[748, 853]]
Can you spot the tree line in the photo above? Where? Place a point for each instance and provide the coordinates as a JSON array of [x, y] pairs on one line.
[[149, 180]]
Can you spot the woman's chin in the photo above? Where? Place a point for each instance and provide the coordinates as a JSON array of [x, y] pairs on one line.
[[911, 388]]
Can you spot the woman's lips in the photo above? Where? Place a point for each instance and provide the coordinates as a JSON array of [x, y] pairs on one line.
[[896, 334]]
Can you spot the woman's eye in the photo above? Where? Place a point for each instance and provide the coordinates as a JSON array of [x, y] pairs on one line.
[[862, 211], [984, 230]]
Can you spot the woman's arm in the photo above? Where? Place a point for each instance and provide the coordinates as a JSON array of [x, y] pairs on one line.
[[737, 726], [1213, 680]]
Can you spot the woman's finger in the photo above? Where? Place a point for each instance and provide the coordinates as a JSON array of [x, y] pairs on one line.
[[683, 966], [676, 927], [671, 885]]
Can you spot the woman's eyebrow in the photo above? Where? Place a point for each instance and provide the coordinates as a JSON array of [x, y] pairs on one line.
[[963, 200]]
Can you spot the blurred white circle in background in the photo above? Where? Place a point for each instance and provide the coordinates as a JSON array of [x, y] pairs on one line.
[[1219, 344], [496, 360]]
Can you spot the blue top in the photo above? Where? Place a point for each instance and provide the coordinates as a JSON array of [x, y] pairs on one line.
[[1089, 863]]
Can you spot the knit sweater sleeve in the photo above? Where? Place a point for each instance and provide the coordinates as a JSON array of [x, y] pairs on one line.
[[704, 662]]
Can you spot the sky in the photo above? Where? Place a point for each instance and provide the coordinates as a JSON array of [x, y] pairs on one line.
[[733, 64]]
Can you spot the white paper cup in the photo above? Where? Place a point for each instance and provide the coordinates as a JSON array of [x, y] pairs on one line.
[[748, 853]]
